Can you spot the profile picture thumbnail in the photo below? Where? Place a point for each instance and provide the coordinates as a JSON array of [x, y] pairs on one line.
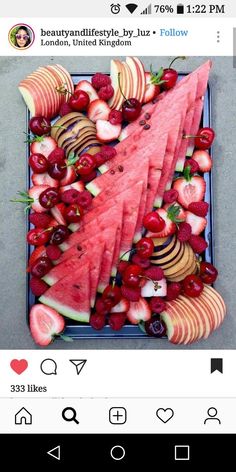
[[21, 36]]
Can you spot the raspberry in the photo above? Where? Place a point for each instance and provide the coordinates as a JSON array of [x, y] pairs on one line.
[[194, 167], [170, 196], [184, 232], [173, 290], [70, 196], [40, 220], [84, 199], [105, 93], [122, 266], [131, 294], [100, 80], [117, 321], [100, 159], [198, 244], [115, 117], [57, 156], [154, 273], [97, 321], [38, 286], [102, 307], [199, 208], [89, 177], [53, 252], [157, 304], [108, 152], [65, 109], [144, 263]]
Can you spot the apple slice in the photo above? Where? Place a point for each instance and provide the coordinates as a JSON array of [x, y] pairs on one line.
[[142, 78], [55, 82], [214, 306], [67, 76], [173, 325], [205, 315], [33, 98], [128, 80], [63, 81], [219, 299], [116, 70], [183, 324], [135, 74], [185, 314], [49, 93], [195, 316]]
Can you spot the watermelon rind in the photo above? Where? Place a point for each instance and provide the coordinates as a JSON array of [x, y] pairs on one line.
[[92, 188], [65, 310]]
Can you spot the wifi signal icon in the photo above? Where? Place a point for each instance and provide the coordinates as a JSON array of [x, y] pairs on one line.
[[131, 7]]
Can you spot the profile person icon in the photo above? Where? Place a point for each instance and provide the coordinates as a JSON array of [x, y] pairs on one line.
[[21, 36], [212, 412]]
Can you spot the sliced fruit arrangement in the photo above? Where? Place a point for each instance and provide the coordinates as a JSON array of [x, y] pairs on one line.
[[118, 235]]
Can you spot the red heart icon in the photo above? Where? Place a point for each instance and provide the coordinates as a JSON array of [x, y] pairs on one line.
[[19, 366]]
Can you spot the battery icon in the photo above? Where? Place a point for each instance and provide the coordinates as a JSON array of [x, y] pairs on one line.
[[180, 9]]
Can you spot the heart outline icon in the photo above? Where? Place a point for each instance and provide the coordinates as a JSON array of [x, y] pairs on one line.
[[165, 414], [19, 365]]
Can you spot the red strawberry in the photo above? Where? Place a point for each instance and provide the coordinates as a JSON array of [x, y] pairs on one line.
[[197, 223], [173, 290], [190, 188], [70, 176], [34, 193], [58, 212], [70, 196], [144, 263], [106, 92], [115, 117], [40, 220], [45, 324], [157, 304], [103, 307], [44, 145], [106, 132], [121, 307], [199, 208], [57, 156], [100, 159], [203, 159], [84, 199], [170, 196], [53, 252], [100, 80], [181, 215], [194, 167], [151, 90], [154, 273], [171, 216], [39, 251], [117, 321], [131, 294], [78, 185], [139, 311], [198, 244], [44, 179], [98, 110], [38, 286], [184, 232], [87, 87], [65, 109], [97, 321]]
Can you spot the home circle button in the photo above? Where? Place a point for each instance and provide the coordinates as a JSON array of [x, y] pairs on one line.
[[117, 453]]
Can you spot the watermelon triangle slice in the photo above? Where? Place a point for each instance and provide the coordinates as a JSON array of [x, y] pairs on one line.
[[94, 254], [71, 295]]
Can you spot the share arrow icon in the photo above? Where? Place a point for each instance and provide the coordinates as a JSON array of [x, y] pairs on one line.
[[79, 364]]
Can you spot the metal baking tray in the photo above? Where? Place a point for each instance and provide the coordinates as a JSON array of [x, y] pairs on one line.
[[77, 330]]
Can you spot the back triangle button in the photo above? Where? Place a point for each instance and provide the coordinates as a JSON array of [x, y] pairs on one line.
[[55, 453]]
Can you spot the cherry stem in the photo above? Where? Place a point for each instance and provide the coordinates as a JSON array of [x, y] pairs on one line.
[[155, 282], [131, 251], [175, 59], [187, 136], [121, 91]]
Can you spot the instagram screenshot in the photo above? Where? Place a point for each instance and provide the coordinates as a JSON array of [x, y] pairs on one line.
[[118, 266]]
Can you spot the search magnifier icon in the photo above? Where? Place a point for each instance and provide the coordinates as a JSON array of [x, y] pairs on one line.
[[71, 416]]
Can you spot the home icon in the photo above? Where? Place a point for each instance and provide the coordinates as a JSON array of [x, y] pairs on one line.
[[23, 416]]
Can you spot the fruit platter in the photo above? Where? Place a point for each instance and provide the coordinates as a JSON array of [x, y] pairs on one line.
[[119, 204]]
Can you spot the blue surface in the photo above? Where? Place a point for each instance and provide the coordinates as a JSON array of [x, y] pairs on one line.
[[83, 331]]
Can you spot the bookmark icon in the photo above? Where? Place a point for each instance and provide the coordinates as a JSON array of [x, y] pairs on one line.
[[79, 364]]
